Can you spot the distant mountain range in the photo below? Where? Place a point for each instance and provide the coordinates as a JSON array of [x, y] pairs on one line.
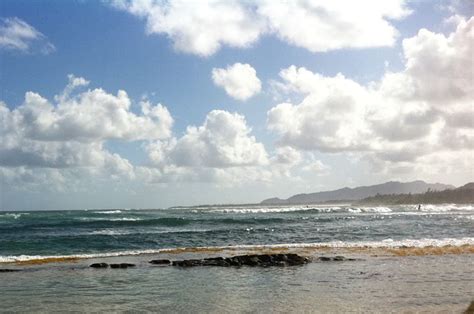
[[359, 193]]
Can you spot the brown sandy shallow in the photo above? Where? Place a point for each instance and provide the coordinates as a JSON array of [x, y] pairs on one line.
[[308, 251]]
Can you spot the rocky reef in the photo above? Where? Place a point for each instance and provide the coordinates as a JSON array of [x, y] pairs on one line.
[[261, 260], [253, 260]]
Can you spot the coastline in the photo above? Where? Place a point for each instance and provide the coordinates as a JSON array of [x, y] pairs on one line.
[[307, 249]]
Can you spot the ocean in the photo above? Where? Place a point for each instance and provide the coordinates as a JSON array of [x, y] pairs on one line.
[[69, 240], [93, 233]]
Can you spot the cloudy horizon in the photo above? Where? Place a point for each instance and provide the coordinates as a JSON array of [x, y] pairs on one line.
[[147, 104]]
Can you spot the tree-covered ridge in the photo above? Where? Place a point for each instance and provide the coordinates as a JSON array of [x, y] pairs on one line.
[[461, 195]]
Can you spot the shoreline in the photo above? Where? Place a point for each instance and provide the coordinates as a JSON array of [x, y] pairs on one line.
[[350, 279], [301, 249]]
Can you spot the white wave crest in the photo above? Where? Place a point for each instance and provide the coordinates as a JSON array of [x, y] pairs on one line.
[[428, 208], [14, 215], [109, 219], [257, 210], [125, 219], [108, 212], [109, 232]]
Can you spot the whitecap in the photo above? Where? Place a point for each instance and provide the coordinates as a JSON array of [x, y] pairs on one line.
[[13, 215], [108, 212]]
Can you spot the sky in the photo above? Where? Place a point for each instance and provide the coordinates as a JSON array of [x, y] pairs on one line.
[[151, 104]]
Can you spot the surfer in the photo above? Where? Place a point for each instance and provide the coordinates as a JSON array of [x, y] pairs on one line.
[[419, 206]]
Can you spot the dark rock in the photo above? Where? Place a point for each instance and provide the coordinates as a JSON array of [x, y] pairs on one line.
[[217, 261], [160, 262], [262, 260], [188, 263], [338, 258], [235, 261], [9, 270], [99, 265], [324, 259], [295, 259], [122, 265]]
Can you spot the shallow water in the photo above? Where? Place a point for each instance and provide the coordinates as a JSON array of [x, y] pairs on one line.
[[398, 284]]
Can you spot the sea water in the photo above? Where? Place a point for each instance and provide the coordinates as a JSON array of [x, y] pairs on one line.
[[88, 233], [369, 284]]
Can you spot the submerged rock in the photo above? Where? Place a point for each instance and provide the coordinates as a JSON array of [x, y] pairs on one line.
[[262, 260], [99, 265], [338, 258], [9, 270], [122, 265], [160, 262], [324, 259]]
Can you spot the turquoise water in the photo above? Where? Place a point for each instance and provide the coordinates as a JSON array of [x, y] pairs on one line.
[[28, 235]]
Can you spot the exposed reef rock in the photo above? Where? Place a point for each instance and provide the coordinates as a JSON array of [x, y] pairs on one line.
[[164, 262], [99, 265], [254, 260], [264, 260], [122, 265], [334, 259], [105, 265]]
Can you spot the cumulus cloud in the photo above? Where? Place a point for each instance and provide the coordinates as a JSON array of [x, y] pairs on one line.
[[330, 118], [222, 141], [222, 150], [16, 34], [93, 115], [239, 80], [198, 27], [72, 132], [328, 25], [65, 143], [203, 27], [406, 118]]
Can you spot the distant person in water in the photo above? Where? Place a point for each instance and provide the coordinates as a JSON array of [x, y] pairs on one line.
[[419, 206]]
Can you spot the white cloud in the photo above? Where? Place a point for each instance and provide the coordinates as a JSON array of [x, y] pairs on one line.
[[223, 141], [440, 67], [16, 34], [328, 25], [72, 132], [239, 80], [330, 118], [399, 122], [93, 115], [221, 150], [198, 27], [203, 27]]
